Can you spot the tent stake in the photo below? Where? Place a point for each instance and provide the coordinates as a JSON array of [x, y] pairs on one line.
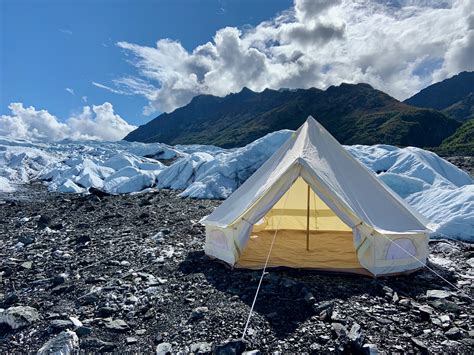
[[307, 223]]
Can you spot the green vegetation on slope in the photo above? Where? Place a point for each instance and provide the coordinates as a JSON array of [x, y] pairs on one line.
[[354, 114], [460, 143]]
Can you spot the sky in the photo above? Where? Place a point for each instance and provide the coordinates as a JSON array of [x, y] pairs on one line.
[[96, 69]]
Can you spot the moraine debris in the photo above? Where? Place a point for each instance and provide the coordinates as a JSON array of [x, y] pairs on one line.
[[125, 283]]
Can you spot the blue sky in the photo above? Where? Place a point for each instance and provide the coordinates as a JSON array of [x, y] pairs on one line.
[[95, 69], [48, 46]]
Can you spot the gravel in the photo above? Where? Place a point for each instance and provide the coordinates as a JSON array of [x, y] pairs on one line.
[[128, 274]]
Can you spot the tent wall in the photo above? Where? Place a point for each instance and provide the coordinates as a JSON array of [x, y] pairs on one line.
[[390, 253], [290, 212], [220, 244], [373, 251], [348, 198]]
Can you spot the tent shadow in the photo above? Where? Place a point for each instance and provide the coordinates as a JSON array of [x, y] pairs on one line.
[[281, 301]]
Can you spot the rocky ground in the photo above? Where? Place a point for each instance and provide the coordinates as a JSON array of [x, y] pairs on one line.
[[465, 163], [128, 274]]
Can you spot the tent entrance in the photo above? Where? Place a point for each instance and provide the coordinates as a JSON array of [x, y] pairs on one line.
[[310, 235]]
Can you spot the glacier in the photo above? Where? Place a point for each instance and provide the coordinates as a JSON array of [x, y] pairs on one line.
[[434, 187]]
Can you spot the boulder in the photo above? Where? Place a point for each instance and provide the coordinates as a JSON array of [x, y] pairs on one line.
[[438, 294], [64, 343], [163, 349], [19, 317]]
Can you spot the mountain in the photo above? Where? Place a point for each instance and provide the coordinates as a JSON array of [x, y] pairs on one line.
[[460, 143], [455, 91], [354, 114], [462, 110]]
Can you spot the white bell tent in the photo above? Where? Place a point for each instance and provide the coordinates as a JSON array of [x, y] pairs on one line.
[[315, 206]]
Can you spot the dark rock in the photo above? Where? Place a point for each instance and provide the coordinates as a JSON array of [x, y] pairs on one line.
[[420, 344], [94, 280], [231, 347], [83, 331], [27, 239], [97, 344], [324, 309], [83, 239], [383, 320], [121, 273], [43, 222], [89, 299], [446, 248], [445, 305], [369, 349], [9, 300], [106, 311], [59, 280], [454, 333], [99, 193], [61, 289], [57, 226], [426, 311], [7, 270], [61, 324], [308, 297], [198, 313]]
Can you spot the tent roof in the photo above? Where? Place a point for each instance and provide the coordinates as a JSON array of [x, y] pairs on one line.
[[358, 189]]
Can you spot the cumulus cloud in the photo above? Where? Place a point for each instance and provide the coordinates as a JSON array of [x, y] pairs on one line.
[[93, 123], [398, 46]]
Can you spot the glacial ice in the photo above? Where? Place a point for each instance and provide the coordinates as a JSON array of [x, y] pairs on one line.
[[434, 187]]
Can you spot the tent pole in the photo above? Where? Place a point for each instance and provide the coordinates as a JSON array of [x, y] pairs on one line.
[[307, 222]]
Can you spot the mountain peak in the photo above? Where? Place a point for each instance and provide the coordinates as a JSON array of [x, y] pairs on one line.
[[443, 94], [353, 113]]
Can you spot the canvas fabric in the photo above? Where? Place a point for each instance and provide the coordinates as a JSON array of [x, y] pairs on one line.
[[346, 197]]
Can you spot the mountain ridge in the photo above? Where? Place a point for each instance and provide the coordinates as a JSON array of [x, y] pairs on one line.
[[445, 93], [353, 113]]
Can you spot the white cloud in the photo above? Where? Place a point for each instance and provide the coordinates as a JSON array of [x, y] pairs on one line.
[[66, 32], [115, 91], [93, 123], [69, 90], [84, 99], [398, 46]]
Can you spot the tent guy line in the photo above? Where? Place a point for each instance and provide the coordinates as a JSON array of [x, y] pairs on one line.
[[263, 272], [431, 269]]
